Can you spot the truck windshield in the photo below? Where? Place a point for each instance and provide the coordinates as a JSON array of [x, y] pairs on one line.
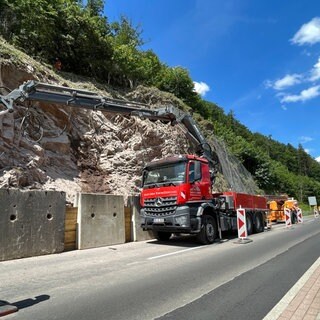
[[169, 173]]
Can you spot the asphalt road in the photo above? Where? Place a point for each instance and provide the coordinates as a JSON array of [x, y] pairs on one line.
[[254, 293], [175, 280]]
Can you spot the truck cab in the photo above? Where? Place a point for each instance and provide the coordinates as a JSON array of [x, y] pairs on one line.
[[172, 191]]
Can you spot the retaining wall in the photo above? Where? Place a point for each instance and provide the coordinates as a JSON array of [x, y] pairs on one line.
[[35, 222], [100, 220], [31, 223], [137, 233]]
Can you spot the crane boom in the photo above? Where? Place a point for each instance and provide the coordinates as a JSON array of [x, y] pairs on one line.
[[38, 91]]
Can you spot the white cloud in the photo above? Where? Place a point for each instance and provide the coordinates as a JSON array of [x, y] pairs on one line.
[[304, 139], [304, 95], [287, 81], [315, 72], [290, 80], [307, 151], [318, 159], [309, 33], [201, 88]]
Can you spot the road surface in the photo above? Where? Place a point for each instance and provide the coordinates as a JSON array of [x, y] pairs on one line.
[[174, 280]]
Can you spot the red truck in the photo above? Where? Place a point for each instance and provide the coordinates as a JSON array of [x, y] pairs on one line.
[[176, 196]]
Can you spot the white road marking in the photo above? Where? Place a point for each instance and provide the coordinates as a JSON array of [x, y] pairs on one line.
[[176, 252], [133, 263]]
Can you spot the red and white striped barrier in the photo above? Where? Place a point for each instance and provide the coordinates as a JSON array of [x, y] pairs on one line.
[[242, 226], [300, 216], [242, 223], [287, 213]]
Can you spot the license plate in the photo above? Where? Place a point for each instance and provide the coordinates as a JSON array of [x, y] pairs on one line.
[[158, 220]]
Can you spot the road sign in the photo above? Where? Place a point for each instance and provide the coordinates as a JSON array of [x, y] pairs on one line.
[[312, 201]]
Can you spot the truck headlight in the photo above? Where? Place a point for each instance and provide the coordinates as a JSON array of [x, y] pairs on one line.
[[182, 221]]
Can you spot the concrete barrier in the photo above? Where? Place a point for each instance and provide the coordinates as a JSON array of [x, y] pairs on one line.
[[31, 223], [137, 233], [100, 220]]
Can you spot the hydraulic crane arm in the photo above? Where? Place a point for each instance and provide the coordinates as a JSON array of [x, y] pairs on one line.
[[37, 91]]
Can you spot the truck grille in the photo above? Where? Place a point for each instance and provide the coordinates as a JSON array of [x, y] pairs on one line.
[[160, 206]]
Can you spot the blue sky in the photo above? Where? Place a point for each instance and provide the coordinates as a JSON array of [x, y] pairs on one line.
[[259, 58]]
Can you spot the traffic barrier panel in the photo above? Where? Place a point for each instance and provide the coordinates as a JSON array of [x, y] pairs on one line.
[[287, 213], [242, 226], [300, 216], [242, 223]]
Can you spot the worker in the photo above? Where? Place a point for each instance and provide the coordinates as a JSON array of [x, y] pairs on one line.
[[58, 64], [294, 212]]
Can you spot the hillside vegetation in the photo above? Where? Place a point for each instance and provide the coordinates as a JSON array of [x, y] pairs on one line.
[[89, 45]]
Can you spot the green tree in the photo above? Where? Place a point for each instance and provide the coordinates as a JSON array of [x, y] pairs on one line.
[[95, 7], [177, 81], [82, 43], [149, 67], [124, 33], [32, 26], [127, 60]]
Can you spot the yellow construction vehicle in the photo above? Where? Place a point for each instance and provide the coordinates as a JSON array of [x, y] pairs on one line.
[[277, 204]]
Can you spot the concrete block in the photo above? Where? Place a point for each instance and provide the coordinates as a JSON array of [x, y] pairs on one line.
[[100, 220], [31, 223], [138, 233]]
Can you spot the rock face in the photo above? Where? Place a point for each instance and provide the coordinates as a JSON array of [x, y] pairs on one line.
[[54, 147], [79, 150]]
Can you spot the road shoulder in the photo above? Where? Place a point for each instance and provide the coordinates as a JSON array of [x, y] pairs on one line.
[[302, 300]]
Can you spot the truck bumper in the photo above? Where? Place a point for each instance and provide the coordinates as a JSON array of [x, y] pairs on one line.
[[180, 222]]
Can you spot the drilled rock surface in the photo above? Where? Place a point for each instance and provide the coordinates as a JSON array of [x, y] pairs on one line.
[[79, 150]]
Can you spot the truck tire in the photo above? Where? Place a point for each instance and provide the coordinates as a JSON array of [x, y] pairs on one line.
[[249, 223], [209, 230], [162, 236], [258, 223]]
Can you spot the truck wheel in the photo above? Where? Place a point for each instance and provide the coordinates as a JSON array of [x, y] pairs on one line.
[[258, 223], [162, 236], [249, 224], [209, 230]]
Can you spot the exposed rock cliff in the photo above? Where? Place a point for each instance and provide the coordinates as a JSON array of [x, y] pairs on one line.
[[80, 150]]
